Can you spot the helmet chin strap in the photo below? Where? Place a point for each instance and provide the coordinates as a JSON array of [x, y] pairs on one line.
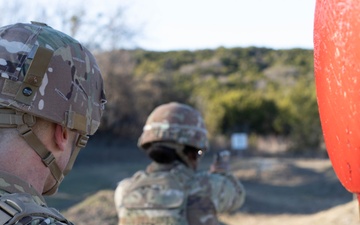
[[46, 156], [81, 142], [23, 122]]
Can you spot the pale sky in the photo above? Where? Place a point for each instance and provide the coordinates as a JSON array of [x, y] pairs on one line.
[[200, 24]]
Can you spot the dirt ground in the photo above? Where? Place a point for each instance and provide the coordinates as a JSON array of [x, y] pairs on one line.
[[292, 191]]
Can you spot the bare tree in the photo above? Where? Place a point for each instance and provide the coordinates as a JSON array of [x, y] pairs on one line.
[[98, 26]]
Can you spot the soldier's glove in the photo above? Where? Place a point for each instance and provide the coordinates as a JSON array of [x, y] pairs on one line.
[[221, 163]]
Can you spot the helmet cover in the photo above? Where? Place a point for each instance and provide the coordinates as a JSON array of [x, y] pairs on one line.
[[48, 74], [175, 122]]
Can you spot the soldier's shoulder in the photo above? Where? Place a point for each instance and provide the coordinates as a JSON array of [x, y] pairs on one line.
[[124, 184], [40, 220], [137, 175], [22, 209]]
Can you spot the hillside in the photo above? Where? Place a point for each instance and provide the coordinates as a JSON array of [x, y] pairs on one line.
[[296, 191], [259, 91]]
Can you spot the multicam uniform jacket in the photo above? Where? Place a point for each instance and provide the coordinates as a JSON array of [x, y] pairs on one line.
[[174, 194], [21, 204]]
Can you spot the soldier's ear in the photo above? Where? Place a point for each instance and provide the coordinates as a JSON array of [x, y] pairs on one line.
[[61, 137]]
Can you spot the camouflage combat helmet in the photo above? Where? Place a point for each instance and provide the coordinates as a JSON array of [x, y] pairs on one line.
[[175, 122], [46, 73], [50, 75]]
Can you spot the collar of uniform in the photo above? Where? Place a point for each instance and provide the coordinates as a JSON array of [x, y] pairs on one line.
[[157, 167], [13, 184]]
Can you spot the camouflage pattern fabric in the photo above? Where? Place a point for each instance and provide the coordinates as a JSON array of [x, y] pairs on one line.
[[202, 197], [42, 69], [175, 122], [27, 206]]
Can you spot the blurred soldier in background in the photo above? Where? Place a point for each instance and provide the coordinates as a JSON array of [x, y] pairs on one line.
[[51, 99], [170, 191]]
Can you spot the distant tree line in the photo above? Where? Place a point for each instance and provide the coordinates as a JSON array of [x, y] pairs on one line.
[[259, 91]]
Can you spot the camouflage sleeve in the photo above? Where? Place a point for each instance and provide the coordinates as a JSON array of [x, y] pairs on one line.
[[227, 193], [24, 209], [120, 191], [37, 220]]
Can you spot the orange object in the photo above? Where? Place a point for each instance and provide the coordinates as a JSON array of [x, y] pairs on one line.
[[337, 76]]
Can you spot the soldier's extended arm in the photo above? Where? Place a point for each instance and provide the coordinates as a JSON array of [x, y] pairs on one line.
[[227, 192]]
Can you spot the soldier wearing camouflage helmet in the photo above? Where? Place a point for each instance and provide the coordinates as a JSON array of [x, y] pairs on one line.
[[51, 100], [170, 190]]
